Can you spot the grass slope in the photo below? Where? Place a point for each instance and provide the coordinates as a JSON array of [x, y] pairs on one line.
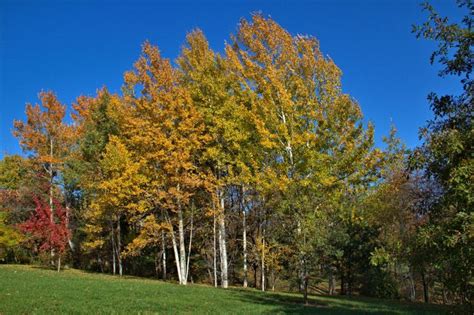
[[28, 289]]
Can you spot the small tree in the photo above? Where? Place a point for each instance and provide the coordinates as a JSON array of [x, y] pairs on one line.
[[51, 234]]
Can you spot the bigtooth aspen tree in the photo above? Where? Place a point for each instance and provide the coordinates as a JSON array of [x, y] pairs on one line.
[[166, 131], [217, 96], [309, 128], [118, 191], [95, 121]]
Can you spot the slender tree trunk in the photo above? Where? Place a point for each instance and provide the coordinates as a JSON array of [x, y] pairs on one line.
[[306, 280], [215, 251], [101, 265], [175, 246], [426, 293], [273, 279], [119, 247], [59, 262], [222, 241], [163, 254], [182, 248], [412, 286], [332, 282], [190, 242], [51, 181], [349, 283], [158, 263], [244, 237], [303, 262], [113, 247], [51, 178], [176, 255], [255, 278], [305, 275], [263, 264], [343, 283], [349, 276], [68, 213], [210, 274]]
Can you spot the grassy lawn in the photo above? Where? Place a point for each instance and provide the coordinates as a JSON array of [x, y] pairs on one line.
[[29, 289]]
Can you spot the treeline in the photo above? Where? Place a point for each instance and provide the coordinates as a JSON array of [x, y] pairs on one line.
[[249, 168]]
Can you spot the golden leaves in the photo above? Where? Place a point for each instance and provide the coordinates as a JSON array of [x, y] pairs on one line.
[[44, 133], [150, 233]]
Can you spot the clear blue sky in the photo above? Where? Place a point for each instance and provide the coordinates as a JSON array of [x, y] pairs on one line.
[[76, 47]]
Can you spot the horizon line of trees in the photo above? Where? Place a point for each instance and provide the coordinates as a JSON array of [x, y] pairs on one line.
[[253, 168]]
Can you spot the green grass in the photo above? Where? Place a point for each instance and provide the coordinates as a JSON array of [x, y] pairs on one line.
[[29, 289]]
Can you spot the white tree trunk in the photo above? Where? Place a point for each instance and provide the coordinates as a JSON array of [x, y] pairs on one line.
[[222, 241], [51, 179], [190, 244], [245, 248], [273, 279], [176, 255], [68, 212], [163, 254], [214, 250], [182, 248], [175, 247]]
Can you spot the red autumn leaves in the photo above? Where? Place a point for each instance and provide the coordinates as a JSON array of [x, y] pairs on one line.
[[48, 227]]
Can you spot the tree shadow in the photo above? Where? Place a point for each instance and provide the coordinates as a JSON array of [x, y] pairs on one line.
[[44, 267], [293, 304]]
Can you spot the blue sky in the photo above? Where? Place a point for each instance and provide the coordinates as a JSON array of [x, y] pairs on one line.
[[76, 47]]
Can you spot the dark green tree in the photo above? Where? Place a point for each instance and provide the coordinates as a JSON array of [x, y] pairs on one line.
[[447, 153]]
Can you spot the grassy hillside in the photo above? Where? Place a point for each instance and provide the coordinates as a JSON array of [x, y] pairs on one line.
[[28, 289]]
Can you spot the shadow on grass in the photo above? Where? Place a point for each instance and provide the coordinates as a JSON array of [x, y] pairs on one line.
[[293, 304], [252, 300], [44, 267]]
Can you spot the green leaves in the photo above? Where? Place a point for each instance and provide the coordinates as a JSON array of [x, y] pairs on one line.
[[446, 154]]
